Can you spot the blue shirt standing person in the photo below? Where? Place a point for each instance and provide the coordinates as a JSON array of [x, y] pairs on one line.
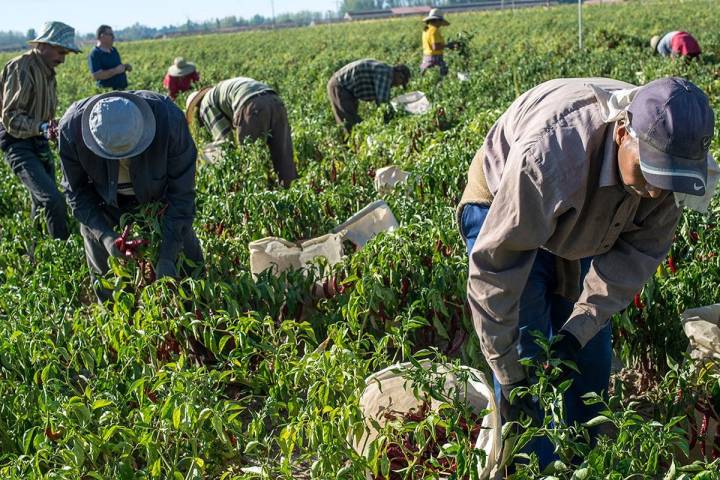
[[105, 63]]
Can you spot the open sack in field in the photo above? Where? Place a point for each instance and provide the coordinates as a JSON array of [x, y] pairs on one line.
[[389, 392], [368, 222], [702, 327], [415, 103], [212, 152], [281, 255], [386, 178]]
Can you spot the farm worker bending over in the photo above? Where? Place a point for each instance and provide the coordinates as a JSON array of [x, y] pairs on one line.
[[367, 80], [105, 64], [433, 43], [120, 150], [568, 210], [180, 77], [28, 100], [676, 44], [253, 110]]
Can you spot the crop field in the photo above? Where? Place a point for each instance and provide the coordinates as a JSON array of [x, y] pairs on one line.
[[229, 377]]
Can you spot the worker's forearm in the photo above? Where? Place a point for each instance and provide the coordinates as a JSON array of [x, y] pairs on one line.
[[105, 74]]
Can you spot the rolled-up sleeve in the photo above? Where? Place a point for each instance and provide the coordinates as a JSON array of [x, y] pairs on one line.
[[522, 217], [617, 275], [16, 97], [82, 198], [180, 193]]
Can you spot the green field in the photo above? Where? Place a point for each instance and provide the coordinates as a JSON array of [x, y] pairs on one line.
[[223, 374]]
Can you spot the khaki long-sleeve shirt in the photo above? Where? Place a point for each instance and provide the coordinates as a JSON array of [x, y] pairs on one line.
[[28, 95], [550, 162]]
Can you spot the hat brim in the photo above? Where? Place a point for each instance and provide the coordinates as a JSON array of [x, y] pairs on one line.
[[175, 71], [148, 126], [440, 19], [72, 48], [191, 110], [668, 172]]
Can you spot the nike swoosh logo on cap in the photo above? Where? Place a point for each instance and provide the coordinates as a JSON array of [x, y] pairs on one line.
[[698, 187]]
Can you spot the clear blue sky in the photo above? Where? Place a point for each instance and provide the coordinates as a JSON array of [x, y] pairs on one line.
[[85, 15]]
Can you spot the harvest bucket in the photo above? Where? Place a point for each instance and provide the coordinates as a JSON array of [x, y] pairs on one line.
[[281, 255], [368, 222], [415, 103], [388, 390], [387, 178]]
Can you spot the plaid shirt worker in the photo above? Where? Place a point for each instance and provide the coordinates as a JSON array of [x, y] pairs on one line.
[[367, 80]]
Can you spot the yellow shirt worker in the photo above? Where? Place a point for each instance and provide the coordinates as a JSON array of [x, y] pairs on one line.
[[433, 42]]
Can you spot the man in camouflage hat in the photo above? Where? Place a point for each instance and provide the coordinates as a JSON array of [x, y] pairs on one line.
[[28, 100]]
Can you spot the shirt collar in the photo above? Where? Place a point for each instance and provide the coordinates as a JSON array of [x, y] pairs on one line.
[[44, 67]]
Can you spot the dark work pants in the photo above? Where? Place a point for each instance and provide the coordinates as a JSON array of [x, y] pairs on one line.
[[344, 105], [97, 256], [32, 161], [542, 310], [264, 116]]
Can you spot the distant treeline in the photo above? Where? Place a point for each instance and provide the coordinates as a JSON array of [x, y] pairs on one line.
[[12, 39]]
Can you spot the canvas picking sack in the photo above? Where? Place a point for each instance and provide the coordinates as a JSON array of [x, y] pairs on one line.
[[281, 255], [415, 103], [388, 390], [368, 222], [386, 178]]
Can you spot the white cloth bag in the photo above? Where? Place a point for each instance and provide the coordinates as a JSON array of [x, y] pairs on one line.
[[702, 327], [368, 222], [281, 255], [415, 103], [388, 390], [386, 178]]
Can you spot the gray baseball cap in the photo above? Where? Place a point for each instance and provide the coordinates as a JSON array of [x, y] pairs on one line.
[[674, 124], [118, 125]]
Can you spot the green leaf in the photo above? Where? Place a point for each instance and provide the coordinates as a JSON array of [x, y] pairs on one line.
[[100, 403], [599, 420]]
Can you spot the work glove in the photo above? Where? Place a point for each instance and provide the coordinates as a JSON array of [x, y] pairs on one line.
[[165, 268], [520, 407], [110, 243], [564, 350]]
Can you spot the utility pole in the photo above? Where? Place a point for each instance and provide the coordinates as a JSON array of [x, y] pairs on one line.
[[580, 28]]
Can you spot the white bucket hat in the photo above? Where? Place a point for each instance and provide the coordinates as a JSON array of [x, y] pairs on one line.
[[181, 67], [118, 125], [436, 14]]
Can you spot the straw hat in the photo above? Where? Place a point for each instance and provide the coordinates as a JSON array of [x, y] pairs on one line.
[[118, 125], [654, 41], [436, 14], [193, 102], [58, 34], [181, 67]]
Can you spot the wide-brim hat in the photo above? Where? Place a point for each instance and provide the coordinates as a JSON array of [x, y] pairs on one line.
[[674, 124], [98, 132], [58, 34], [436, 14], [193, 103], [654, 41], [181, 67]]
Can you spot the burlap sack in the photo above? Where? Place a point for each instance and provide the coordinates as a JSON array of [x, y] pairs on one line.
[[415, 103], [386, 178], [368, 222], [388, 390]]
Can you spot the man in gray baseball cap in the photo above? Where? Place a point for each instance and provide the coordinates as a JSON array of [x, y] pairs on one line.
[[118, 151], [570, 205]]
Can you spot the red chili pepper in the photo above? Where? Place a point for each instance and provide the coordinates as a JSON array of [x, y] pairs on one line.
[[703, 431], [637, 301], [694, 237], [671, 264]]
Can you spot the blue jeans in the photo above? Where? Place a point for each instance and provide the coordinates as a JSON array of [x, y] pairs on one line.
[[541, 309], [31, 160]]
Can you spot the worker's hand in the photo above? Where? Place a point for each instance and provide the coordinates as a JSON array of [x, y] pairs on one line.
[[521, 407], [165, 268], [128, 67], [119, 69], [110, 243], [563, 355]]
